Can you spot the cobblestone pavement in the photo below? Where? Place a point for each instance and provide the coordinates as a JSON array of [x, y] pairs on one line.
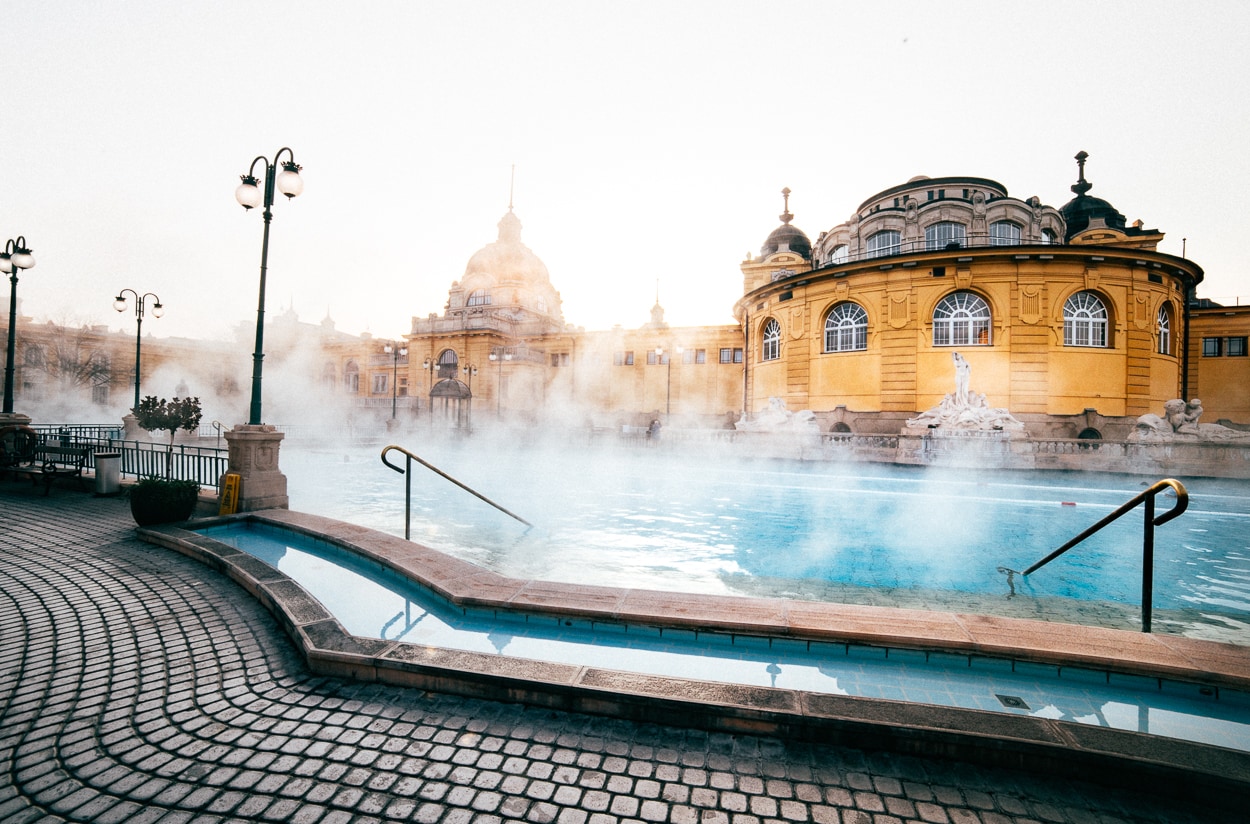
[[139, 686]]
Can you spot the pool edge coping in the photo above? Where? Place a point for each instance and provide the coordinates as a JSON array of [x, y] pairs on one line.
[[978, 735]]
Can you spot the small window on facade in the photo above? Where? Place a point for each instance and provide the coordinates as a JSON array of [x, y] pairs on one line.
[[1237, 347], [1004, 233], [726, 356], [846, 328], [380, 383], [737, 355], [479, 297], [1049, 237], [623, 359], [629, 358], [100, 394], [1211, 347], [961, 319], [1084, 320], [33, 356], [700, 356], [687, 356], [1165, 331], [885, 243], [944, 236], [771, 342], [351, 378], [652, 358], [840, 254]]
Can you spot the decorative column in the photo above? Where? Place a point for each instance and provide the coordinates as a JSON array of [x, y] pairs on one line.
[[253, 455]]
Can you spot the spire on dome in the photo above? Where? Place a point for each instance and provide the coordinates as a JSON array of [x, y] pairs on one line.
[[1082, 185], [785, 215]]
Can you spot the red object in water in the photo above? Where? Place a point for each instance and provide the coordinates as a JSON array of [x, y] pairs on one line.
[[1067, 503]]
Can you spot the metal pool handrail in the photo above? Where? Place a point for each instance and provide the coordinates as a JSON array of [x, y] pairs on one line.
[[406, 472], [1148, 537]]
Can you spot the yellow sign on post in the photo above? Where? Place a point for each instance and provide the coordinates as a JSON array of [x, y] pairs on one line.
[[229, 501]]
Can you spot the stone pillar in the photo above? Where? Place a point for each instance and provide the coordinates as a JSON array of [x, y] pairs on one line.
[[130, 428], [254, 457]]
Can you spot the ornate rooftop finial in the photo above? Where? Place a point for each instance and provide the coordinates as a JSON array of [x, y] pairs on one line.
[[785, 216], [511, 187], [1082, 185]]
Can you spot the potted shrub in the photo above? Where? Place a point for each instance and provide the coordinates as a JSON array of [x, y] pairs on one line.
[[163, 500]]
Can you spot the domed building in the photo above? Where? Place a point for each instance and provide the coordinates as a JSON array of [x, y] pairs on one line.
[[1068, 318]]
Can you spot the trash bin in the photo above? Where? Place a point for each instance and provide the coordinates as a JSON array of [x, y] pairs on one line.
[[108, 473]]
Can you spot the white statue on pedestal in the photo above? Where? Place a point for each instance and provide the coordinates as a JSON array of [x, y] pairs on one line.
[[964, 409]]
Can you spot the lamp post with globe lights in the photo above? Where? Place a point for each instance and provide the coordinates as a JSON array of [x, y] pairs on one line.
[[119, 303], [16, 257], [396, 351], [249, 195], [499, 356]]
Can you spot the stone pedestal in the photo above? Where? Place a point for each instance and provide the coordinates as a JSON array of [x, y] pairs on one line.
[[131, 430], [14, 419], [253, 455]]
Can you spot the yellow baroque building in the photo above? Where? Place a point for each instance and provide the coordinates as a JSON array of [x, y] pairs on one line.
[[1069, 318]]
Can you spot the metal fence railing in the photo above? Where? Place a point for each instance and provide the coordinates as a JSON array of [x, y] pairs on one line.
[[140, 459]]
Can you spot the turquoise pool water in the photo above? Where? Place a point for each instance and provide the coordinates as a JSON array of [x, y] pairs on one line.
[[374, 602], [856, 533]]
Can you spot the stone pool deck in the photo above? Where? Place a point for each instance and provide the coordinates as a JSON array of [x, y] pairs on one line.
[[138, 685], [1025, 741]]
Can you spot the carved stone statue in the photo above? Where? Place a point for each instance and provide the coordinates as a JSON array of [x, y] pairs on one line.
[[776, 418], [964, 409], [1180, 423]]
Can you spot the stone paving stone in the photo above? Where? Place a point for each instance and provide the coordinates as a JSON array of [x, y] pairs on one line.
[[149, 688]]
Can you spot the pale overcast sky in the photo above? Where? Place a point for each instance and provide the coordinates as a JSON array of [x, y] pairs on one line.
[[651, 140]]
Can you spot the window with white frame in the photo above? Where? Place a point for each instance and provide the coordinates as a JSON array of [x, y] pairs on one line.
[[1049, 237], [846, 328], [1165, 330], [961, 319], [771, 341], [944, 235], [479, 297], [1004, 233], [840, 254], [351, 378], [888, 242], [380, 381], [1084, 320]]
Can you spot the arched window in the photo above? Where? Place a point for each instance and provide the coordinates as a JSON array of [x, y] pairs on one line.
[[846, 328], [351, 377], [961, 319], [448, 364], [1004, 233], [771, 343], [1165, 330], [885, 243], [479, 297], [1049, 237], [33, 356], [944, 236], [1084, 320], [840, 254]]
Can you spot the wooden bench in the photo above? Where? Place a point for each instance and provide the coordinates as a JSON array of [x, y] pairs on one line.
[[48, 463]]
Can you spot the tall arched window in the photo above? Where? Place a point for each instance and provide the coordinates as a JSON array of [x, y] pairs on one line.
[[448, 364], [1004, 233], [943, 235], [479, 297], [846, 328], [961, 319], [351, 378], [1084, 320], [771, 341], [840, 254], [888, 242], [1165, 330]]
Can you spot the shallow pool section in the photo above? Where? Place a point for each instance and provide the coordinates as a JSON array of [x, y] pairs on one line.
[[371, 601]]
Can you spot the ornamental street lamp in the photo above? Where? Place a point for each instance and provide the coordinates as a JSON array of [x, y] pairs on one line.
[[470, 370], [16, 256], [396, 351], [119, 303], [668, 379], [250, 196], [499, 357], [428, 384]]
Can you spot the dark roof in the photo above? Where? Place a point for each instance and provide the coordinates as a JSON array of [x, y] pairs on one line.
[[787, 236]]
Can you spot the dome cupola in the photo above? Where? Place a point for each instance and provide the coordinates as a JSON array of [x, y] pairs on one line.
[[787, 237], [1081, 211]]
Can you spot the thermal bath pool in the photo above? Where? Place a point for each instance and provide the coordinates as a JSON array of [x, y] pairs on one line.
[[852, 533]]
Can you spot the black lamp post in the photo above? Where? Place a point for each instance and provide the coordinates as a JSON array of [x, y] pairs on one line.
[[16, 256], [396, 351], [470, 370], [668, 379], [250, 196], [119, 303]]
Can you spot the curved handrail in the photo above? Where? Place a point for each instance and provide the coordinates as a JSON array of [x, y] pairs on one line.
[[1148, 540], [408, 485]]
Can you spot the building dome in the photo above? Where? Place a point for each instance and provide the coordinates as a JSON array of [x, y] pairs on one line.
[[787, 237], [507, 260], [1082, 210]]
